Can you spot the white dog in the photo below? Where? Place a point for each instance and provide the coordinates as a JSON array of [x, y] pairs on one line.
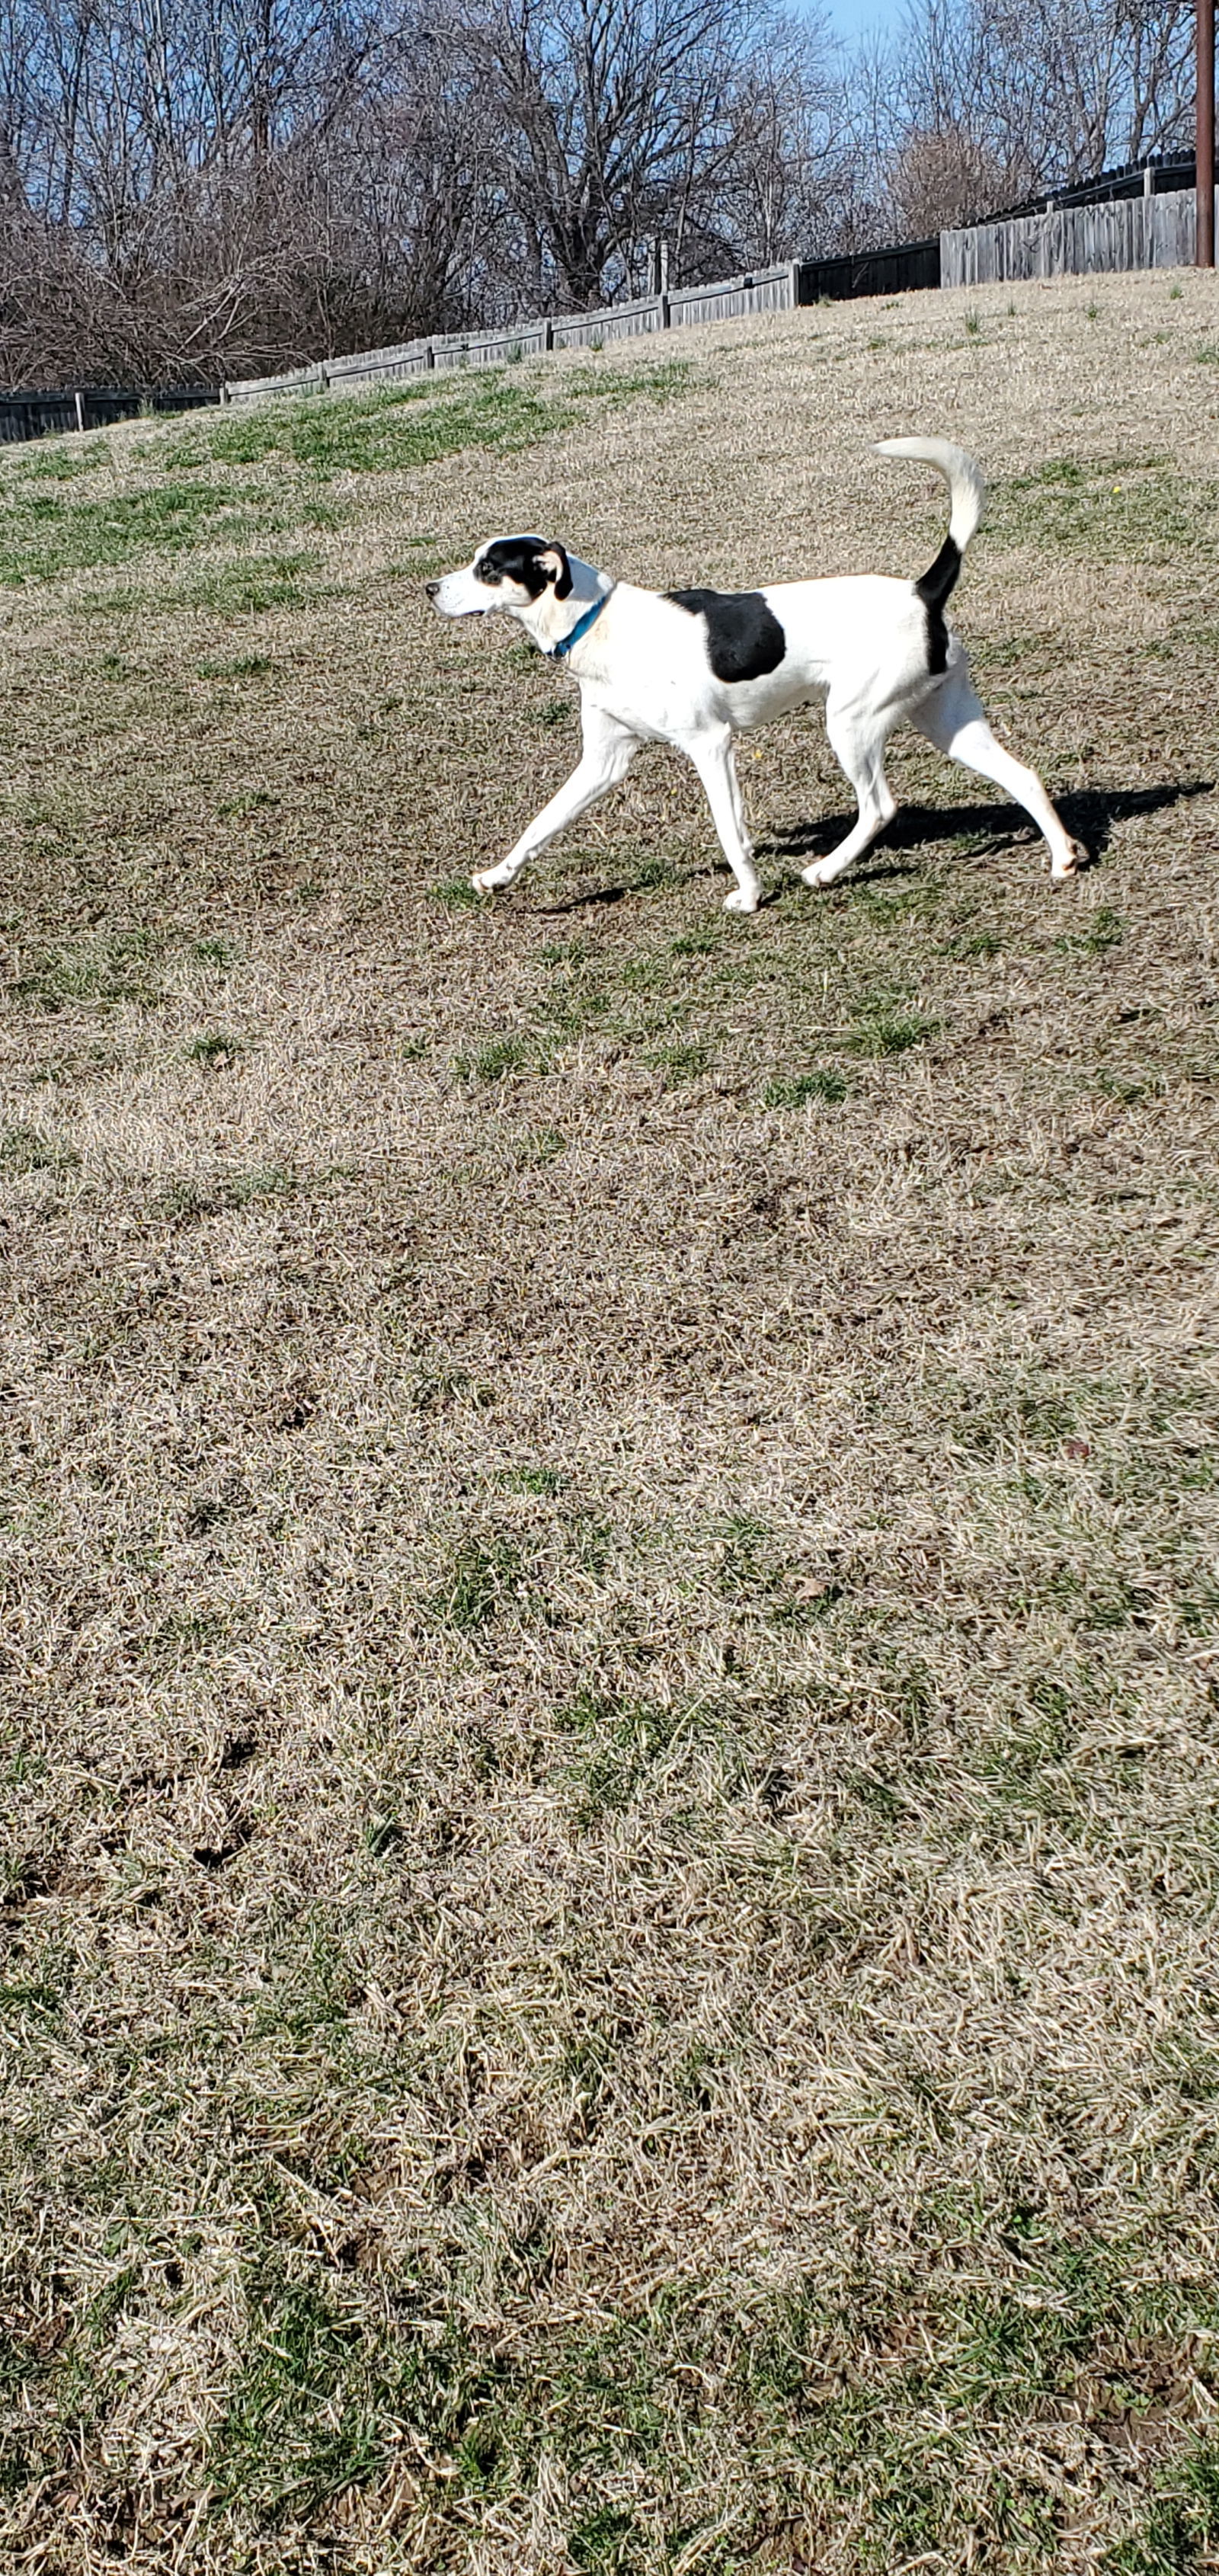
[[695, 667]]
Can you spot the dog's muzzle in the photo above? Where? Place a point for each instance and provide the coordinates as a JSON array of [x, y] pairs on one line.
[[432, 588]]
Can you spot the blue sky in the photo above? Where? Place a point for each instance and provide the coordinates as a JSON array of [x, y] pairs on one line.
[[861, 17]]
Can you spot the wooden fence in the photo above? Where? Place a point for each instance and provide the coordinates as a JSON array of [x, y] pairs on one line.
[[37, 415], [1135, 232], [762, 290], [892, 271], [1138, 217]]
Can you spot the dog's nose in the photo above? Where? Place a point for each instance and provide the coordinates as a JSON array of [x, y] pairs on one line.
[[431, 588]]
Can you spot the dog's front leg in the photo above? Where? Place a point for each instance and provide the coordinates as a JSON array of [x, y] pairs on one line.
[[711, 753], [608, 752]]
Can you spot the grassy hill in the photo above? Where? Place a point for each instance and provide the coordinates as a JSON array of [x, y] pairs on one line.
[[609, 1518]]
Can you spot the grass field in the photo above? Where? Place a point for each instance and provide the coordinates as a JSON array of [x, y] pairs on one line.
[[609, 1513]]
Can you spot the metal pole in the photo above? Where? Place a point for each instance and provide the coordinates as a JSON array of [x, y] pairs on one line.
[[1204, 166]]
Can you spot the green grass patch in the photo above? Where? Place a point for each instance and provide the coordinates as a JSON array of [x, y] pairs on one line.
[[537, 1147], [1181, 2529], [697, 943], [247, 588], [234, 666], [1102, 930], [543, 1481], [621, 1741], [753, 1571], [679, 1060], [865, 2403], [980, 943], [319, 2401], [402, 427], [498, 1059], [57, 462], [188, 1199], [44, 536], [266, 1181], [25, 1149], [879, 1030], [576, 997], [214, 1047], [481, 1579], [650, 871], [1118, 510], [109, 969], [794, 1091], [252, 800]]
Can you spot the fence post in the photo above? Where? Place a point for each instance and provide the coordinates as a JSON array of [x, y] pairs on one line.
[[430, 359], [793, 281], [79, 401], [1204, 143]]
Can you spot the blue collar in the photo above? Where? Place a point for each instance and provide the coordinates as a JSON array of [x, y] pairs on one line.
[[558, 652]]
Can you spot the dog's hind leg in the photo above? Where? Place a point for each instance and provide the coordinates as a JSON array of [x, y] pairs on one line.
[[711, 753], [738, 806], [857, 737], [608, 752], [954, 720]]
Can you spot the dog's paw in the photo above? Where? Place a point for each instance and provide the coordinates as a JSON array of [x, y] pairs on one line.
[[485, 882], [817, 874], [742, 899], [1062, 870]]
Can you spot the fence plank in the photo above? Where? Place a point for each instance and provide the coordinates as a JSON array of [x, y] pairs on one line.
[[43, 415], [1119, 234], [762, 291], [765, 290]]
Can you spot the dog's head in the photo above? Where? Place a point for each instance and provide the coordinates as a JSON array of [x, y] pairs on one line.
[[507, 572]]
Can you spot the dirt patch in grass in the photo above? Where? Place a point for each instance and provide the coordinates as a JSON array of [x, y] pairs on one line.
[[608, 1514]]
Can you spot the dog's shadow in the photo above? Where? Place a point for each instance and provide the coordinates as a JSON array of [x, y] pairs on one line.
[[1089, 814]]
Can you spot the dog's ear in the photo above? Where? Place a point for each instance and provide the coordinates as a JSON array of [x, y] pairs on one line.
[[553, 562]]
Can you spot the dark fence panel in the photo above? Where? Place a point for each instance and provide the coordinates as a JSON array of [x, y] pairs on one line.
[[1153, 178], [37, 415], [892, 271], [1152, 231]]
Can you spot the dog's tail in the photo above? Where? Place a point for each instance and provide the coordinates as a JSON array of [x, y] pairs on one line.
[[965, 483]]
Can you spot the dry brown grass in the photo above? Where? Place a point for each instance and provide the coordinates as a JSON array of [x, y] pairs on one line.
[[609, 1518]]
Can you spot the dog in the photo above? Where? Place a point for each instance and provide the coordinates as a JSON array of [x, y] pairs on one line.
[[697, 667]]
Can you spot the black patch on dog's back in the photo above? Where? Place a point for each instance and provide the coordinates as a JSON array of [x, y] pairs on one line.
[[744, 637], [517, 559], [937, 585]]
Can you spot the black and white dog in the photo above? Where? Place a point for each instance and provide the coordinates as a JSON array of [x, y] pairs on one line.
[[695, 667]]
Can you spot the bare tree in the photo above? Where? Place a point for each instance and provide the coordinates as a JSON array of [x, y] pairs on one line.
[[979, 103], [617, 122], [790, 170], [197, 187], [191, 185]]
